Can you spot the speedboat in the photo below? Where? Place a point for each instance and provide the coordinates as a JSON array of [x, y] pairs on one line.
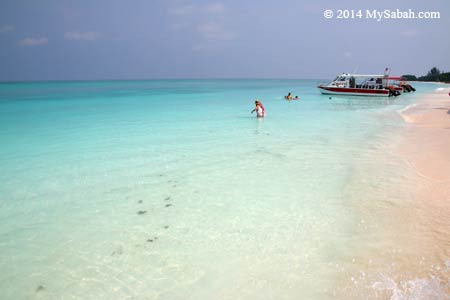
[[358, 85]]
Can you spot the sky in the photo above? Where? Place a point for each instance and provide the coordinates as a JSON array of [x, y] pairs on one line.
[[137, 39]]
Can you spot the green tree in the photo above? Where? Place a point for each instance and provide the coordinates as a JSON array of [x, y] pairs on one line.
[[434, 72], [433, 75], [445, 77], [410, 77]]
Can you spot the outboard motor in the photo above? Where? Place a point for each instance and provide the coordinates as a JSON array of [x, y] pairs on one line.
[[409, 88], [393, 91]]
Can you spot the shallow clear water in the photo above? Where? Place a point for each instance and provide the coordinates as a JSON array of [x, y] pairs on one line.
[[171, 189]]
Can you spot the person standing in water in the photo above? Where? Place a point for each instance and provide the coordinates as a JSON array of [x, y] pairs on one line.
[[288, 97], [259, 108]]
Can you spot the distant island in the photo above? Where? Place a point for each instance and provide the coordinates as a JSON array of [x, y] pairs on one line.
[[433, 75]]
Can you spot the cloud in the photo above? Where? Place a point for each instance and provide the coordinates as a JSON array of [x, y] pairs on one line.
[[179, 26], [190, 9], [213, 31], [82, 36], [200, 47], [348, 55], [213, 8], [203, 20], [183, 10], [33, 41], [410, 32], [6, 28]]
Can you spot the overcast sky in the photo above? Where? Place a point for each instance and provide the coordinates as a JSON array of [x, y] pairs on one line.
[[112, 39]]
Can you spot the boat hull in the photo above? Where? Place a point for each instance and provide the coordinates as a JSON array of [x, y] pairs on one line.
[[327, 90]]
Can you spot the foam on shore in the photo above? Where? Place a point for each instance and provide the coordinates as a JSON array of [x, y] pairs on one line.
[[408, 255]]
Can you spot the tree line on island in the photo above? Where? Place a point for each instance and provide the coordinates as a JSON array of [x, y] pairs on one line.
[[433, 75]]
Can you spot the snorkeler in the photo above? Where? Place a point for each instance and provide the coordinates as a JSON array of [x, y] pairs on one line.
[[259, 108]]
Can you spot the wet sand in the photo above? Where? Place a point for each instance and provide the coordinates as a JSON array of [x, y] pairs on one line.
[[405, 253], [427, 146], [426, 150]]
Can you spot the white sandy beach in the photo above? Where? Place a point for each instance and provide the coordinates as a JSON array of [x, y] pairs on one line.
[[426, 149], [407, 255]]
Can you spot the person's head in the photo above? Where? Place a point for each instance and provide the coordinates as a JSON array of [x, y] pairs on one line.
[[256, 102], [289, 93]]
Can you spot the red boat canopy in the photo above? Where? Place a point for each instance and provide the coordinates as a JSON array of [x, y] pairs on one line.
[[395, 78]]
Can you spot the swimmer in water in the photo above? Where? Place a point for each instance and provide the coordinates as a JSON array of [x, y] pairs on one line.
[[259, 108]]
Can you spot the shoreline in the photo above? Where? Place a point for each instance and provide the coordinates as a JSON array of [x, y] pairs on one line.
[[404, 248], [425, 150], [427, 145]]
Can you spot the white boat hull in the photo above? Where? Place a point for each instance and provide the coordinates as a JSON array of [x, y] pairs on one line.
[[353, 91]]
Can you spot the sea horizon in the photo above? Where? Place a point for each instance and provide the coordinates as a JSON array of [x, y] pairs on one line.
[[162, 78], [229, 150]]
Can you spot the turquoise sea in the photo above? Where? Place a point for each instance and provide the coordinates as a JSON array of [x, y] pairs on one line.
[[172, 189]]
